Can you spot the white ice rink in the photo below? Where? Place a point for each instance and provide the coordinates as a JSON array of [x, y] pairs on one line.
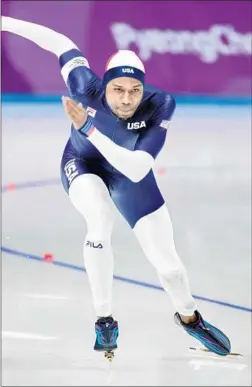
[[48, 320]]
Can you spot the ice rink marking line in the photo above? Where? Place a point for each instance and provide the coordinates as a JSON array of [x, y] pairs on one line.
[[14, 252]]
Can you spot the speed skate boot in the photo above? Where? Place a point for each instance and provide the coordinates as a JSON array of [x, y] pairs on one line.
[[211, 337], [106, 329]]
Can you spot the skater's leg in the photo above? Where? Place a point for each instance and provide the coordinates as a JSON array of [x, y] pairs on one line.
[[155, 235], [86, 186], [142, 205], [90, 197]]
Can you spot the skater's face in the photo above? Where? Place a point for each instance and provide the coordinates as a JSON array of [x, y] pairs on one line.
[[124, 95]]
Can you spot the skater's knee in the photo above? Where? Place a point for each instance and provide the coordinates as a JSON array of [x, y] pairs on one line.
[[174, 275], [100, 225]]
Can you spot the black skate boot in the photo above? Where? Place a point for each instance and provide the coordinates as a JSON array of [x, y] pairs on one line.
[[211, 337], [106, 329]]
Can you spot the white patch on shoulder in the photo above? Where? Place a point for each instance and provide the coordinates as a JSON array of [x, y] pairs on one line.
[[165, 124], [73, 64]]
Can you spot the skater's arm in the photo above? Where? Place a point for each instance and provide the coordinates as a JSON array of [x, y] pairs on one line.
[[74, 67], [133, 164], [44, 37]]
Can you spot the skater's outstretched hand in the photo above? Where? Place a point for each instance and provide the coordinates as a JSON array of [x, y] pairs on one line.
[[75, 111]]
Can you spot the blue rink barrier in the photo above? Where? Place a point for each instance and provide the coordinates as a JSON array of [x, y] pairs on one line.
[[180, 99]]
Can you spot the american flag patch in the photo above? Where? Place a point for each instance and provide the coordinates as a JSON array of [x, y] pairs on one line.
[[91, 112], [165, 124]]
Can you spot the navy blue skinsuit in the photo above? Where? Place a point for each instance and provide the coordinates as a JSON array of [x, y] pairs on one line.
[[145, 130]]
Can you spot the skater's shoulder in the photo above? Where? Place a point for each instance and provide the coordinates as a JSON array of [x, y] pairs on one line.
[[157, 103], [158, 99], [94, 88]]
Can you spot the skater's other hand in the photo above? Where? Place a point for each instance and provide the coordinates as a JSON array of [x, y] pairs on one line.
[[75, 111]]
